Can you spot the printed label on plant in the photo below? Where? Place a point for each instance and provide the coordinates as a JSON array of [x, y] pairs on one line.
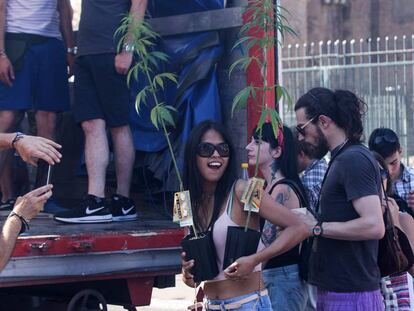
[[182, 209], [252, 195]]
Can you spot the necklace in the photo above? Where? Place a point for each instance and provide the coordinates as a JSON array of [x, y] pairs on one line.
[[339, 147]]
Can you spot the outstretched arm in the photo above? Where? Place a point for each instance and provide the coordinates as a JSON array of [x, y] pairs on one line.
[[26, 207], [32, 148]]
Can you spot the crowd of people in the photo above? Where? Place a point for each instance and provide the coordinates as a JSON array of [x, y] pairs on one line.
[[344, 199]]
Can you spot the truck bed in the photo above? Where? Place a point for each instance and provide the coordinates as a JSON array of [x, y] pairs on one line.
[[52, 252]]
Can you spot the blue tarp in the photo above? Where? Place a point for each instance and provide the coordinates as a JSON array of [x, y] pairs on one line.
[[193, 57]]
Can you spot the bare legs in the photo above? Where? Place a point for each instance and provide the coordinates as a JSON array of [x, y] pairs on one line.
[[97, 156]]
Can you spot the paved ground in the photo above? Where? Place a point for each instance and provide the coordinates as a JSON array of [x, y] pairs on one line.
[[177, 298]]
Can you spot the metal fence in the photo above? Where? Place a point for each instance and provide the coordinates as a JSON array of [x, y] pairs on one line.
[[381, 71]]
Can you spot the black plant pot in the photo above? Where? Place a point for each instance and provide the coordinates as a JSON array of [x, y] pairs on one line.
[[203, 252], [240, 243]]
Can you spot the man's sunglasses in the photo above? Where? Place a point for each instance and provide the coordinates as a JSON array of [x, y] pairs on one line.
[[301, 128], [386, 138], [206, 150]]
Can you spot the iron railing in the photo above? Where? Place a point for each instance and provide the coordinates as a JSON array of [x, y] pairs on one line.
[[380, 71]]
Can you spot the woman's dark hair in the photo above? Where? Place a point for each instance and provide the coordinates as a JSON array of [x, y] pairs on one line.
[[192, 178], [287, 163], [342, 106], [383, 166]]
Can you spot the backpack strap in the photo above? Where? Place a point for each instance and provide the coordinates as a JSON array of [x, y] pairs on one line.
[[295, 188]]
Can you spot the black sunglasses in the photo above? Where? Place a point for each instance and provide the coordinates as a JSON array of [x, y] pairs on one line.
[[387, 138], [206, 150], [301, 128]]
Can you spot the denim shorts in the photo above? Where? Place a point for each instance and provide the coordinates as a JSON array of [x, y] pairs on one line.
[[260, 304], [287, 291]]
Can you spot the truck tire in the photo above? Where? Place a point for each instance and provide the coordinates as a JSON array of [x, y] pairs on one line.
[[88, 300]]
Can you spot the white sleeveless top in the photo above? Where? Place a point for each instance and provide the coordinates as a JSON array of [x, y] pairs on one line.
[[220, 237], [38, 17]]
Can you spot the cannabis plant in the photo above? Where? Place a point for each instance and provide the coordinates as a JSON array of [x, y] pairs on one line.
[[142, 40], [266, 27]]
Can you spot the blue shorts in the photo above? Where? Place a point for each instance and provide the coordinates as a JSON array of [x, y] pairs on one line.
[[100, 92], [42, 82]]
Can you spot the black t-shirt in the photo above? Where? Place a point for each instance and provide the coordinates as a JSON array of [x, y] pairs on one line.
[[338, 265], [98, 24]]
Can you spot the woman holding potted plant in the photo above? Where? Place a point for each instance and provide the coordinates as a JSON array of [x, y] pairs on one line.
[[210, 175], [277, 161]]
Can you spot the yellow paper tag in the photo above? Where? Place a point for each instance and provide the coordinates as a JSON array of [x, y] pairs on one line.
[[182, 209], [247, 193], [256, 194]]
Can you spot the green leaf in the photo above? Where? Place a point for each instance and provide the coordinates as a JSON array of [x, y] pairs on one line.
[[274, 119], [141, 98], [154, 117], [166, 115], [152, 60], [243, 62], [240, 100], [262, 118], [169, 76], [160, 55], [241, 41], [158, 80], [279, 93]]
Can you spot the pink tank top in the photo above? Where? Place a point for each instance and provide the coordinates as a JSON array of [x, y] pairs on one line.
[[220, 237]]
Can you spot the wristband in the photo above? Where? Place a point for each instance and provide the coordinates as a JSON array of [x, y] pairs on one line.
[[25, 224], [17, 138], [72, 51]]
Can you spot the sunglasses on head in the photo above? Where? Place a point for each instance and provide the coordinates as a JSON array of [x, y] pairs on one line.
[[385, 138], [206, 150], [301, 128]]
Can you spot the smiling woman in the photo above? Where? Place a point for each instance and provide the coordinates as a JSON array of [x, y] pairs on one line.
[[210, 175]]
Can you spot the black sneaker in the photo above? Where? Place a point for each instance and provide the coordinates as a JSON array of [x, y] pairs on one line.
[[8, 205], [123, 208], [91, 210]]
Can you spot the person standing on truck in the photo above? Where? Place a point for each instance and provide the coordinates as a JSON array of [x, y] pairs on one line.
[[102, 100], [343, 260], [33, 70], [30, 148], [210, 176]]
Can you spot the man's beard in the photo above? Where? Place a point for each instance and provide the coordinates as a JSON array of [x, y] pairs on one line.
[[321, 148]]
